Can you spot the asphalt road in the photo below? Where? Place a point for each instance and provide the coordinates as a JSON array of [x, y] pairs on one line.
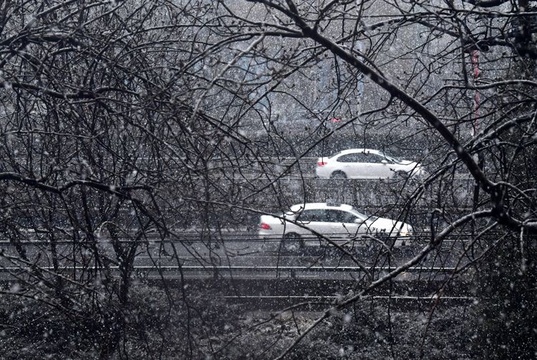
[[236, 255]]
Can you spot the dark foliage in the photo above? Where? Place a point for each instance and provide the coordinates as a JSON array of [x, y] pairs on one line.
[[507, 324], [162, 327]]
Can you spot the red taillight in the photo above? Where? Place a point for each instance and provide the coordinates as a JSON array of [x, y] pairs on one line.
[[321, 163], [264, 226]]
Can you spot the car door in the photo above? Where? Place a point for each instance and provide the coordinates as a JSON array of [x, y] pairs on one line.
[[378, 166], [312, 221], [342, 225], [354, 165]]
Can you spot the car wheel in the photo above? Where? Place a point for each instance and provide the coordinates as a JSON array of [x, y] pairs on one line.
[[338, 175], [292, 242]]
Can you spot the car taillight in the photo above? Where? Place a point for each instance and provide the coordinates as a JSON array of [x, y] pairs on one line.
[[321, 163], [264, 226]]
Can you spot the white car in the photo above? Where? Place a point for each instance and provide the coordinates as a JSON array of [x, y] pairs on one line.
[[365, 164], [342, 224]]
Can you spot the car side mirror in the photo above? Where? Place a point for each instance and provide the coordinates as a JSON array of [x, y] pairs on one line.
[[358, 221], [289, 214], [384, 161]]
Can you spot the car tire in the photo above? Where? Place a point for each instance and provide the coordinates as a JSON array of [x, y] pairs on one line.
[[292, 242], [338, 175]]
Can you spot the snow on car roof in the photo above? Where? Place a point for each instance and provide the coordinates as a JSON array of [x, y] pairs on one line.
[[371, 151], [308, 206]]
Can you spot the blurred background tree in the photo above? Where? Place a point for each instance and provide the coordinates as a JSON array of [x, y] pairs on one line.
[[130, 121]]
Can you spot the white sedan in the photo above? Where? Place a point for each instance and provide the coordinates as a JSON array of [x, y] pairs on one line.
[[365, 164], [341, 223]]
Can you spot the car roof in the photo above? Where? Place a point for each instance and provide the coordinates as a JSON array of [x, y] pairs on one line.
[[361, 150], [309, 206]]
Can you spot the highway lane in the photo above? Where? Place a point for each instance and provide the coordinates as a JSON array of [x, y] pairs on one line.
[[236, 254]]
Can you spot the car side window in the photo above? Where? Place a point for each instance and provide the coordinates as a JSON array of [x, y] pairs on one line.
[[349, 158], [375, 159], [339, 216], [348, 217], [311, 215], [331, 216]]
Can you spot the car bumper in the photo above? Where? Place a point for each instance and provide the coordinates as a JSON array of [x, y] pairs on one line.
[[322, 173]]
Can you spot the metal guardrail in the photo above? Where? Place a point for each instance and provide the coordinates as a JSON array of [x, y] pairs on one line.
[[247, 272], [333, 299], [267, 286]]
